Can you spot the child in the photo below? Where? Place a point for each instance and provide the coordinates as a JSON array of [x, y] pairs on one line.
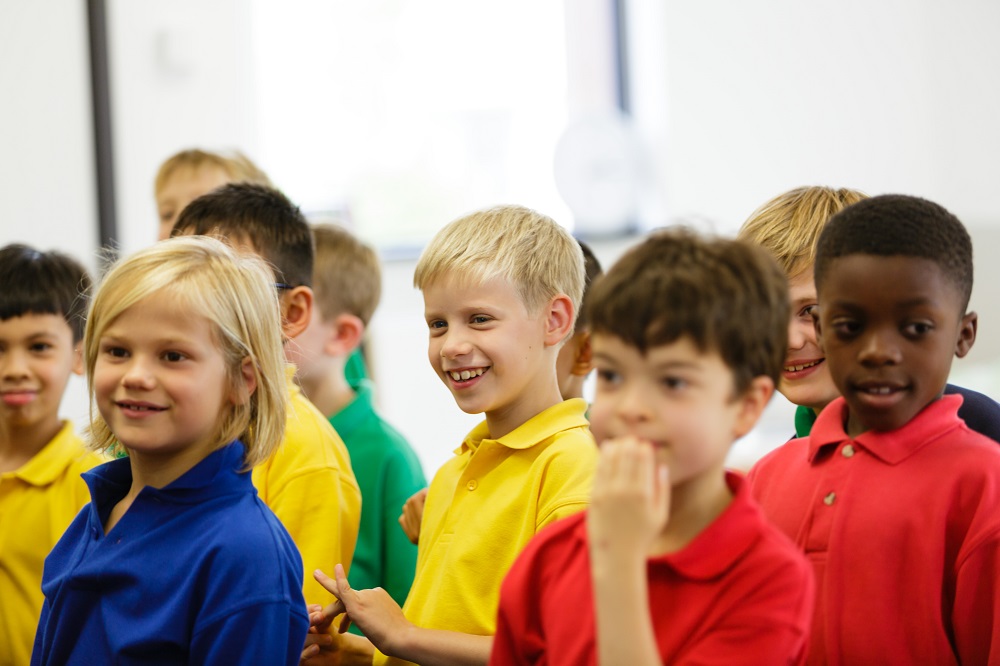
[[501, 289], [575, 356], [788, 227], [185, 176], [347, 282], [43, 298], [673, 562], [892, 497], [183, 356], [307, 481]]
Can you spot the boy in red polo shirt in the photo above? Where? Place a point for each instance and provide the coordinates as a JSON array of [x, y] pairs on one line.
[[892, 497], [673, 562]]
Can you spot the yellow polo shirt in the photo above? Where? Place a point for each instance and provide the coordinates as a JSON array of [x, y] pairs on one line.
[[483, 507], [308, 483], [38, 501]]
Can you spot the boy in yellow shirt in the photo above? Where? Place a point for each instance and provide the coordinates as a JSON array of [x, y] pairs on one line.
[[308, 482], [501, 291], [43, 301]]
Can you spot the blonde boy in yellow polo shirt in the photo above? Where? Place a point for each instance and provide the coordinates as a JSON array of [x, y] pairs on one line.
[[42, 306], [501, 292]]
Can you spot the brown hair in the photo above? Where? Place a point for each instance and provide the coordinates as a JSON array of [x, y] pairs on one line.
[[346, 274], [725, 295]]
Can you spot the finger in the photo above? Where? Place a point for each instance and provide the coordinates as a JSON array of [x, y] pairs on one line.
[[309, 652], [343, 586], [345, 624], [329, 583], [662, 492]]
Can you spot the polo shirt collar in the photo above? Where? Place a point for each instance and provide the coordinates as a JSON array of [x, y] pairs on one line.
[[893, 446], [718, 547], [356, 412], [561, 416], [49, 463], [217, 474]]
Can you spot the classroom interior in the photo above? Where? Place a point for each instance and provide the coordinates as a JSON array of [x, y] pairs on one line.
[[612, 116]]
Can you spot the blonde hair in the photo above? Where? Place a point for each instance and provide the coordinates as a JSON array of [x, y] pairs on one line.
[[237, 166], [788, 226], [514, 243], [346, 273], [237, 295]]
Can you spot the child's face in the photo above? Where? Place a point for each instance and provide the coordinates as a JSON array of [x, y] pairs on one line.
[[182, 187], [675, 397], [37, 355], [805, 379], [487, 348], [890, 327], [160, 380]]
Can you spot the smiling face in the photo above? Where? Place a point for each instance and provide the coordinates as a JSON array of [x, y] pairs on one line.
[[493, 355], [890, 327], [37, 355], [677, 398], [805, 377], [160, 381]]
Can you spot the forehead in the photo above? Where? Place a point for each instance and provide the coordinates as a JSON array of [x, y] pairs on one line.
[[682, 351], [31, 324], [887, 282], [456, 290]]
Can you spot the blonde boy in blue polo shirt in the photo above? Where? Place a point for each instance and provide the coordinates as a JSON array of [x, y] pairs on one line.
[[501, 292]]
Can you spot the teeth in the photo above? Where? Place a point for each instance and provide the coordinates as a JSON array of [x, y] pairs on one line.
[[796, 368], [880, 390], [463, 375]]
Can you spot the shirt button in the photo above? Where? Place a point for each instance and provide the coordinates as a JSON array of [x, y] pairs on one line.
[[830, 499], [472, 485], [847, 451]]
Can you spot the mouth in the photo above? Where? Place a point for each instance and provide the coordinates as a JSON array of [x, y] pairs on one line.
[[18, 398], [133, 407], [879, 395], [801, 368], [466, 375]]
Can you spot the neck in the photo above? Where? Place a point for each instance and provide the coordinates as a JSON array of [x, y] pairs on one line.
[[694, 504], [19, 445], [532, 402], [161, 469], [328, 390]]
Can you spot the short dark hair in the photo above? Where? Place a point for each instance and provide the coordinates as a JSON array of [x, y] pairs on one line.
[[34, 282], [261, 215], [727, 296], [900, 225], [592, 268]]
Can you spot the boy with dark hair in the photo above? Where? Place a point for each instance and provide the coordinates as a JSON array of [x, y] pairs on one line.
[[348, 282], [501, 289], [788, 226], [308, 480], [576, 356], [673, 562], [892, 497], [43, 303]]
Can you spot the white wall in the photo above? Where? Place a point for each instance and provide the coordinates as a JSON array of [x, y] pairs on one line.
[[737, 102]]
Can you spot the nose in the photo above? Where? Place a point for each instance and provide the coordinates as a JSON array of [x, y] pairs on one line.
[[454, 344], [13, 365], [800, 332], [879, 347], [632, 404], [138, 374]]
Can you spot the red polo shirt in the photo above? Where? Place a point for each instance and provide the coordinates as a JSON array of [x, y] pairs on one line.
[[903, 531], [738, 593]]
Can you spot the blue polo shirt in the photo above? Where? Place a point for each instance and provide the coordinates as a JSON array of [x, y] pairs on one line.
[[197, 572]]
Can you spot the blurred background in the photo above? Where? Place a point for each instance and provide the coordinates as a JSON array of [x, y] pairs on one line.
[[396, 116]]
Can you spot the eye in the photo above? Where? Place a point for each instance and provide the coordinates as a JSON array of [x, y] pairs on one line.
[[40, 347], [481, 319], [846, 328], [607, 377], [809, 311], [436, 324], [116, 352], [917, 329], [173, 356], [674, 383]]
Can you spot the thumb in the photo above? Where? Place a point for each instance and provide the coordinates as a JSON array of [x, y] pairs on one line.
[[343, 587], [662, 492]]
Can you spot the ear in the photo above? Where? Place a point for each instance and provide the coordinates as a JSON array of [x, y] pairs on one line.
[[296, 310], [559, 317], [249, 384], [583, 361], [752, 404], [966, 334], [345, 335], [77, 366]]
